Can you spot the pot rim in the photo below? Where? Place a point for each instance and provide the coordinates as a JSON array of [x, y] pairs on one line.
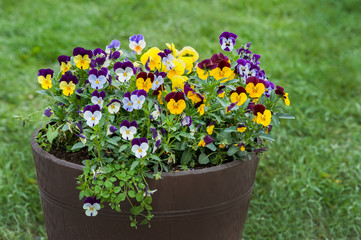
[[62, 162]]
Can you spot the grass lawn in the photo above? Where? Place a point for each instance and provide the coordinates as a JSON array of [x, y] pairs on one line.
[[307, 185]]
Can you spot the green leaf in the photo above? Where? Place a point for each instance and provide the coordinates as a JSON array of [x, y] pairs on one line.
[[232, 150], [155, 157], [148, 199], [186, 135], [139, 197], [52, 133], [266, 136], [123, 147], [186, 156], [211, 146], [108, 184], [112, 141], [117, 189], [230, 129], [131, 193], [203, 158], [136, 210], [77, 146], [105, 194], [121, 197], [134, 165], [285, 116]]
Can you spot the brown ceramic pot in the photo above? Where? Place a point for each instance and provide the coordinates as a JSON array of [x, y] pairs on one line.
[[205, 204]]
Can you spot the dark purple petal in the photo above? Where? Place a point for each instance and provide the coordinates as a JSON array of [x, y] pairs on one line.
[[80, 126], [163, 131], [207, 139], [116, 55], [135, 141], [127, 95], [125, 123], [95, 108], [114, 44], [48, 112], [157, 143], [143, 140], [133, 124], [44, 72], [229, 108], [113, 129], [154, 131], [63, 58], [91, 200], [142, 92]]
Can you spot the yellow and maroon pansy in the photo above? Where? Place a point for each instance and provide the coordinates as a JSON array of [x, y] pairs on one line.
[[45, 78], [176, 102], [241, 127], [263, 115], [223, 71], [204, 67], [255, 87], [144, 81], [238, 96]]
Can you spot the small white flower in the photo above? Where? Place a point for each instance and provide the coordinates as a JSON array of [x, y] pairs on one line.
[[124, 75], [157, 82], [97, 82], [91, 209]]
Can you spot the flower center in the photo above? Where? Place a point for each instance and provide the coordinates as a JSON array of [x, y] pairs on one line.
[[130, 104], [140, 150], [138, 101], [97, 81], [112, 106], [127, 132], [125, 74], [91, 208], [93, 118]]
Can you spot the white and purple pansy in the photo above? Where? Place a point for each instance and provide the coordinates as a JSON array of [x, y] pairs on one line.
[[158, 79], [137, 43], [114, 45], [111, 130], [97, 78], [186, 121], [92, 114], [114, 106], [227, 41], [140, 147], [138, 98], [156, 113], [128, 129], [80, 135], [269, 86], [157, 137], [91, 205], [98, 98], [167, 59], [124, 70], [127, 103]]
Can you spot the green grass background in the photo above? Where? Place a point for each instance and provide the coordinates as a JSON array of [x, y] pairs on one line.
[[307, 185]]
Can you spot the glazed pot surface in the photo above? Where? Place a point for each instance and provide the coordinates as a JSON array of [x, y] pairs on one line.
[[204, 204]]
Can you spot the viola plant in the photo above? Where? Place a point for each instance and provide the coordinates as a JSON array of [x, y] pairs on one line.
[[142, 111]]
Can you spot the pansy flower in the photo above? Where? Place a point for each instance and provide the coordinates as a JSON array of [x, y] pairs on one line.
[[158, 93], [178, 69], [186, 121], [45, 78], [217, 58], [241, 146], [156, 113], [167, 59], [204, 67], [124, 70], [67, 83], [100, 56], [140, 147], [138, 98], [48, 112], [80, 127], [220, 91], [144, 81], [114, 45], [91, 205], [92, 114], [175, 102], [255, 87], [223, 71], [98, 97], [191, 94], [178, 82], [158, 79], [280, 91], [64, 62], [128, 129], [230, 107], [241, 127], [111, 130], [157, 138], [227, 41], [82, 57], [269, 86], [137, 43], [127, 103], [189, 52], [205, 141], [97, 78], [210, 128], [263, 115], [114, 106], [153, 59], [238, 96]]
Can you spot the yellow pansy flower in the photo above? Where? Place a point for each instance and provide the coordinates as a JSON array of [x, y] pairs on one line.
[[155, 60]]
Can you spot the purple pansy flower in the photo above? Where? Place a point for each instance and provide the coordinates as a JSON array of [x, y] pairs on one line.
[[128, 129], [148, 191], [140, 147], [124, 70], [100, 56], [114, 106], [186, 121], [91, 205], [82, 52], [98, 97], [92, 114], [138, 98], [115, 44], [207, 139], [157, 137], [48, 112], [137, 43], [269, 86], [63, 59], [97, 78], [229, 108], [227, 41], [111, 130]]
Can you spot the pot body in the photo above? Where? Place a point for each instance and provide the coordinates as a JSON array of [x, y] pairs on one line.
[[204, 204]]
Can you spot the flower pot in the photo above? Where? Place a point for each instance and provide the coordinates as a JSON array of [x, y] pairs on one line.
[[204, 204]]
